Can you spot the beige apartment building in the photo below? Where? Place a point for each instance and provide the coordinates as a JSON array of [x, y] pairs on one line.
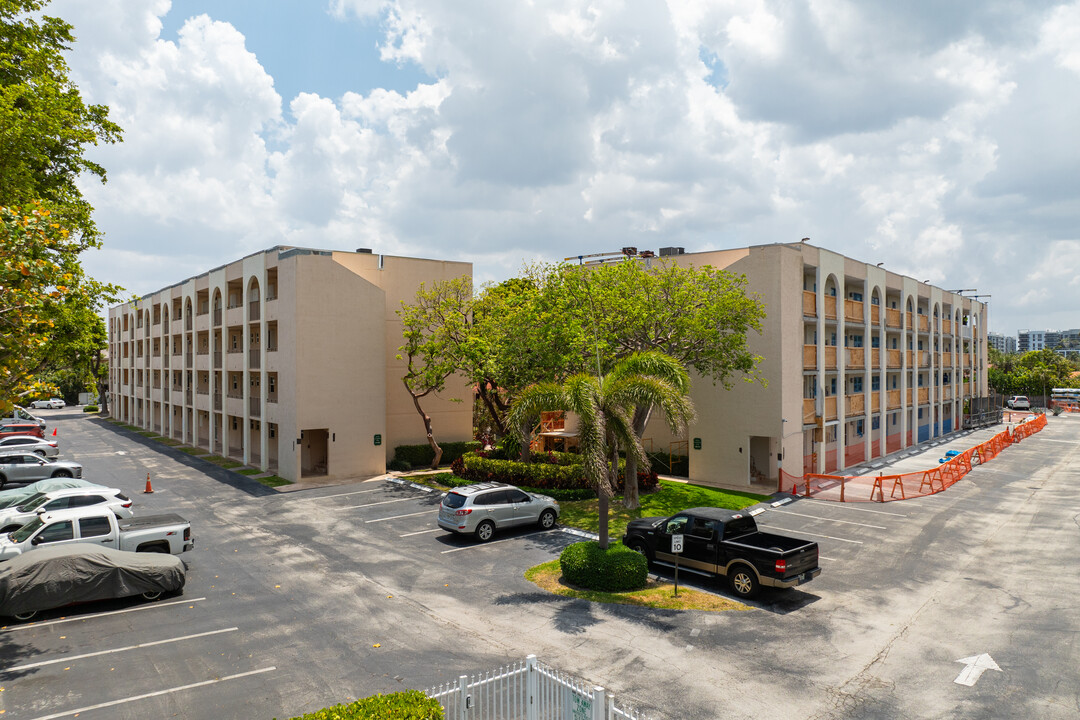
[[860, 362], [284, 360]]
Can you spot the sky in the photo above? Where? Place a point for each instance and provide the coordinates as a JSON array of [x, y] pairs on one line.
[[937, 138]]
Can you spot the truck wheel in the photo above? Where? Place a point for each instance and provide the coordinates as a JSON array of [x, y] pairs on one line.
[[743, 581], [547, 519], [152, 548], [25, 615], [485, 530], [639, 547]]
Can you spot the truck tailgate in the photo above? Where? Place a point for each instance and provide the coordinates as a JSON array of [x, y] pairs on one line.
[[801, 560]]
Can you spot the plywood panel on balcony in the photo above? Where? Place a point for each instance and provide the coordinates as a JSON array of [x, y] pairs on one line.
[[853, 311], [892, 318], [892, 358], [855, 404], [809, 357], [892, 399], [809, 303], [830, 357], [808, 412], [830, 307], [830, 408], [924, 395], [856, 357]]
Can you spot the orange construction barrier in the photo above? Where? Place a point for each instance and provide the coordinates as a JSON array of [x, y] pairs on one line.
[[149, 487]]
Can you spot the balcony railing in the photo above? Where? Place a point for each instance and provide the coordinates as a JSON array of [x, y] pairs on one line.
[[809, 357], [236, 394], [909, 320], [187, 322], [271, 398], [217, 317], [946, 326], [187, 396], [924, 323], [188, 357], [855, 404], [217, 401], [830, 407], [253, 358], [924, 395], [875, 358], [892, 358], [853, 311], [253, 311], [809, 303], [892, 399], [808, 411], [830, 357], [830, 307], [254, 407], [875, 404], [856, 357], [910, 358], [892, 318], [217, 359], [875, 314]]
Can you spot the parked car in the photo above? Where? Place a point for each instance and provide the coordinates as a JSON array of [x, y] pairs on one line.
[[1018, 402], [51, 403], [15, 517], [22, 415], [26, 467], [483, 508], [725, 543], [169, 534], [19, 495], [20, 443], [67, 574], [20, 428]]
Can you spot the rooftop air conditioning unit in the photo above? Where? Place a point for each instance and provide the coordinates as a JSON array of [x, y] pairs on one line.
[[671, 251]]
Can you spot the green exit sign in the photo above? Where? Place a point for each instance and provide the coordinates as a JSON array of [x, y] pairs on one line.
[[378, 439], [697, 443]]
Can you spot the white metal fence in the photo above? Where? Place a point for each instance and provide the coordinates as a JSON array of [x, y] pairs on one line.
[[528, 690]]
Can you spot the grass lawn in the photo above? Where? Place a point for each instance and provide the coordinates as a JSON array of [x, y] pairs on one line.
[[273, 481], [249, 471], [193, 451], [668, 500], [222, 462], [432, 480], [657, 594]]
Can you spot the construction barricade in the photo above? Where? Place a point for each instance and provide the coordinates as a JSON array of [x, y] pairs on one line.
[[885, 488]]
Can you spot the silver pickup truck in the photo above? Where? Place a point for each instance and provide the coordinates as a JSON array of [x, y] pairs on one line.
[[152, 533]]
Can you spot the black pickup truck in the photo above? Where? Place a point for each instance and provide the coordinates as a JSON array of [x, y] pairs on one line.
[[721, 542]]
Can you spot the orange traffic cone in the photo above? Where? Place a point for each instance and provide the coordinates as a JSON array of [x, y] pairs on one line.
[[149, 488], [54, 432]]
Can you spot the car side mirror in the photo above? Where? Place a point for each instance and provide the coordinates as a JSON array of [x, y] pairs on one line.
[[36, 541]]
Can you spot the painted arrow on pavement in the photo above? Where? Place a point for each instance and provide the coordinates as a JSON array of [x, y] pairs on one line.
[[975, 666]]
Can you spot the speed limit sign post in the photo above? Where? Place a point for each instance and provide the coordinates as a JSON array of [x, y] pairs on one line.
[[676, 550]]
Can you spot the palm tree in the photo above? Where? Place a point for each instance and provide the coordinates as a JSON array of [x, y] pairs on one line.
[[603, 406]]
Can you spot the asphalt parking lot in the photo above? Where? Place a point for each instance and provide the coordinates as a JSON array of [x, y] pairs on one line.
[[298, 600]]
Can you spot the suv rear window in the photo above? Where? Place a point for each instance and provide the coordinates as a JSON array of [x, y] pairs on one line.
[[453, 500]]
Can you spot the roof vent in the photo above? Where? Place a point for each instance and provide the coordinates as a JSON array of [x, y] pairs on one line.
[[364, 250], [664, 252]]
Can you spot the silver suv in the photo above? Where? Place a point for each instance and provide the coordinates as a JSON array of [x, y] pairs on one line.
[[482, 508]]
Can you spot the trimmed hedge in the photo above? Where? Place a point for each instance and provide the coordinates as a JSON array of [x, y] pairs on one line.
[[618, 569], [407, 705], [543, 476], [566, 495], [422, 455], [90, 408]]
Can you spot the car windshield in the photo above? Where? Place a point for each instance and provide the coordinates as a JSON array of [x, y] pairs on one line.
[[453, 500], [33, 502], [26, 530]]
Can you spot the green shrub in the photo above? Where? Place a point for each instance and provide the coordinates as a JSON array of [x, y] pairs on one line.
[[543, 477], [90, 408], [422, 455], [618, 569], [407, 705], [399, 465]]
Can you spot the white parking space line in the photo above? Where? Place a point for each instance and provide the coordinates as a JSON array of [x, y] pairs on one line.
[[818, 517], [69, 658], [822, 557], [803, 532], [381, 502], [395, 517], [420, 532], [487, 544], [114, 703], [848, 506], [80, 618], [331, 497]]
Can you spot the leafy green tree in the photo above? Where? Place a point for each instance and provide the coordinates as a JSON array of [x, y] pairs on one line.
[[435, 328], [603, 407], [45, 127]]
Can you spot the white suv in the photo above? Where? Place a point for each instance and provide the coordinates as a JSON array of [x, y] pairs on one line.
[[1019, 402], [13, 518]]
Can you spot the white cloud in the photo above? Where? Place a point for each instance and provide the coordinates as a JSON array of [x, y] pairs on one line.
[[936, 138]]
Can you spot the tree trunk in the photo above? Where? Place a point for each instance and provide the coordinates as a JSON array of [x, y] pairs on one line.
[[602, 529], [427, 425], [493, 411], [631, 500], [526, 447]]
